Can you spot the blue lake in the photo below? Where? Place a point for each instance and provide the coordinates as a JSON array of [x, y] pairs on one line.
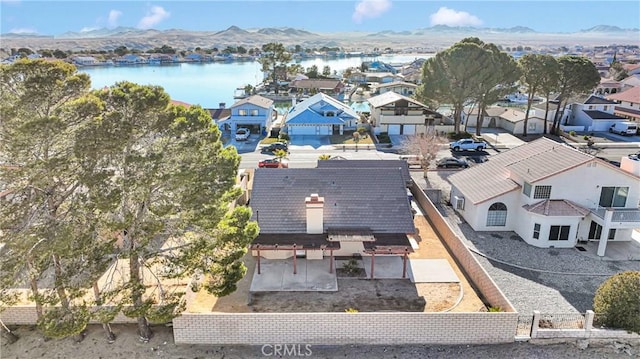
[[212, 83]]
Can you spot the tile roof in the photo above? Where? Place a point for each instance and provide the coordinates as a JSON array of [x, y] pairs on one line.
[[316, 84], [402, 165], [533, 161], [631, 95], [391, 97], [255, 100], [596, 100], [601, 115], [367, 197], [557, 208], [513, 115]]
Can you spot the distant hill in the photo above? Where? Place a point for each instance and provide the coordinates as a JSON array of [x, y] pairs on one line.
[[430, 38]]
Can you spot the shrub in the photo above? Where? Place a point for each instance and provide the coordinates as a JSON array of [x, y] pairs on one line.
[[572, 133], [495, 309], [284, 136], [617, 301], [459, 136], [585, 137], [384, 138], [351, 310], [351, 267]]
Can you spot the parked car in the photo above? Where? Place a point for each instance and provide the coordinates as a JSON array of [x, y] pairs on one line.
[[275, 146], [242, 134], [452, 162], [468, 144], [273, 163]]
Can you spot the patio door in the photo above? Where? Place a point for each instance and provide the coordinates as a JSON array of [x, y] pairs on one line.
[[595, 231]]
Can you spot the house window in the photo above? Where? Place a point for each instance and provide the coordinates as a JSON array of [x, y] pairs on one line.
[[459, 202], [330, 114], [590, 107], [606, 108], [559, 233], [595, 231], [613, 196], [532, 126], [612, 234], [526, 189], [542, 192], [536, 231], [242, 112], [497, 215], [254, 113]]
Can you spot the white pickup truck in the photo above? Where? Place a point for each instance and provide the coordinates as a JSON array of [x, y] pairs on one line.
[[468, 144]]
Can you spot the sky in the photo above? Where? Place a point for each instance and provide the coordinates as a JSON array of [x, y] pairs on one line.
[[51, 17]]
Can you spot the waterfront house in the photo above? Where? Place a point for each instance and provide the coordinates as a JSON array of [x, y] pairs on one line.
[[401, 87], [254, 112], [551, 195], [316, 213], [400, 115], [307, 86], [319, 115], [130, 59], [84, 60]]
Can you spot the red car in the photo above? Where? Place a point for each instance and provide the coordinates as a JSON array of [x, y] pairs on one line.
[[273, 163]]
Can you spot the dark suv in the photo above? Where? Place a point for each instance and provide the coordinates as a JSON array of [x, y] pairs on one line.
[[275, 146]]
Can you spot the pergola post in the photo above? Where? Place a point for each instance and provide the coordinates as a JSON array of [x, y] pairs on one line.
[[404, 264], [295, 252], [258, 252], [331, 260], [373, 259]]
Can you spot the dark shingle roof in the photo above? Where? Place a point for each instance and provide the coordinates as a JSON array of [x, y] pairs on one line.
[[595, 100], [402, 165], [375, 198], [601, 115]]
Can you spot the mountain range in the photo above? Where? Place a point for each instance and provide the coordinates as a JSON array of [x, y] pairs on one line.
[[436, 37]]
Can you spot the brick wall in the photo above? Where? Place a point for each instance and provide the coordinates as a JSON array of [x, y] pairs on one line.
[[344, 328], [479, 278]]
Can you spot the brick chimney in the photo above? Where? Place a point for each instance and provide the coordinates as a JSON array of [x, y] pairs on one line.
[[315, 214]]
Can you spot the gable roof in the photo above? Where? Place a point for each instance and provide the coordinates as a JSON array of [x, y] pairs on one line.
[[278, 199], [219, 113], [532, 161], [323, 100], [402, 165], [596, 100], [316, 84], [631, 95], [513, 115], [256, 100], [397, 84], [391, 97], [601, 115]]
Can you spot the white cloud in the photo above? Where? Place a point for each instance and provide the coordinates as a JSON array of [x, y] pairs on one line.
[[154, 16], [23, 30], [112, 20], [370, 9], [450, 17]]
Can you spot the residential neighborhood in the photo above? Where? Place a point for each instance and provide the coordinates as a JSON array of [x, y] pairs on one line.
[[435, 201]]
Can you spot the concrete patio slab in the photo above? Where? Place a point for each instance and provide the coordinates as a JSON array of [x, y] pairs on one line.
[[431, 271], [277, 275], [385, 267], [616, 250]]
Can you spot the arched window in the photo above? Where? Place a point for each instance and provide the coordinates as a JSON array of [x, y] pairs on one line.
[[497, 215]]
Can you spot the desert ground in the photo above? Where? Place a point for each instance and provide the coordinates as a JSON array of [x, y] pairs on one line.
[[32, 345]]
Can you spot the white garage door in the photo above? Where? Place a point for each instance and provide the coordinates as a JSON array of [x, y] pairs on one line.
[[394, 129], [302, 130], [409, 130]]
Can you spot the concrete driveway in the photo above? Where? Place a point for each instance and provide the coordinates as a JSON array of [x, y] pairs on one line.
[[310, 140], [249, 145]]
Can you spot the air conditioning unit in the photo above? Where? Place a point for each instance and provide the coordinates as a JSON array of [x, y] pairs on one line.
[[458, 202]]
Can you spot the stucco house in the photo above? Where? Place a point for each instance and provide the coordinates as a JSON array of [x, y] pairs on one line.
[[400, 115], [307, 86], [401, 87], [551, 195], [254, 112], [594, 114], [315, 213], [509, 119], [627, 104], [320, 115]]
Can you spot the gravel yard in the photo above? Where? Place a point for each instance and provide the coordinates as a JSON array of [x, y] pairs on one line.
[[570, 289]]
